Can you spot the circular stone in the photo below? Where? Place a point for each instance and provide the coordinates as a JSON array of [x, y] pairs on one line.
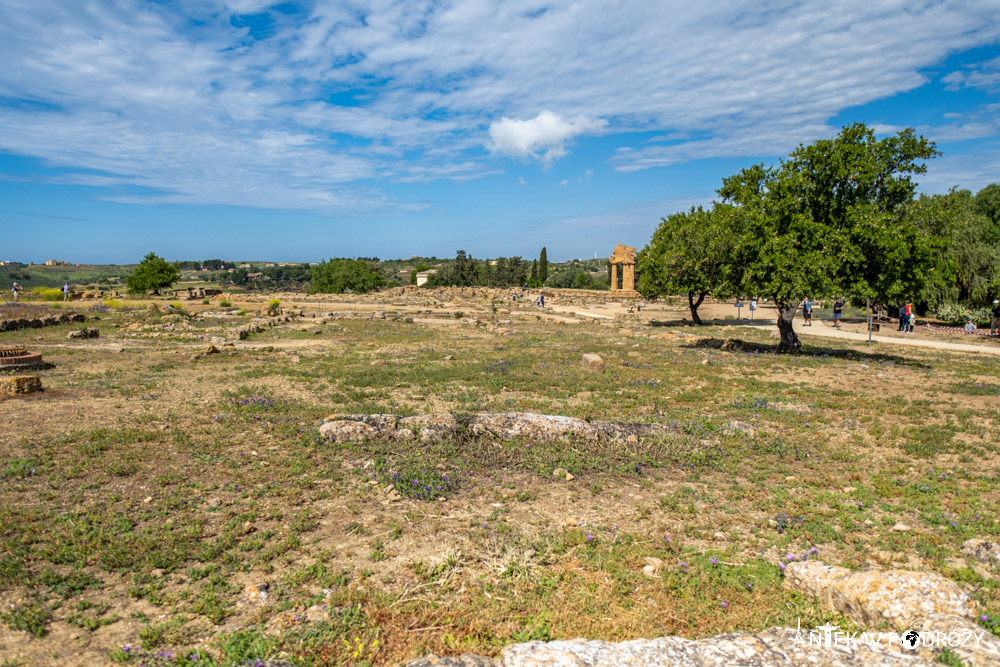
[[18, 357]]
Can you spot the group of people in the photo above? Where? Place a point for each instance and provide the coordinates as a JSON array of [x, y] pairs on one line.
[[807, 312], [16, 291], [907, 317]]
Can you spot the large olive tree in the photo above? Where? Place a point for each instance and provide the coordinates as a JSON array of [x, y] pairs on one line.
[[828, 220]]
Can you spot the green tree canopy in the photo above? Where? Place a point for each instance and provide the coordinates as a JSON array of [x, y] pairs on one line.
[[341, 275], [543, 266], [829, 221], [690, 253], [964, 245], [152, 274]]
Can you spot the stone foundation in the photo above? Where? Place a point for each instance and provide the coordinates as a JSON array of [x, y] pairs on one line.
[[13, 358]]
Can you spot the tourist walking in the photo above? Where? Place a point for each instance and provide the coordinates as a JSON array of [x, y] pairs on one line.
[[994, 320], [16, 291], [807, 312], [911, 317], [65, 291], [838, 312], [902, 317]]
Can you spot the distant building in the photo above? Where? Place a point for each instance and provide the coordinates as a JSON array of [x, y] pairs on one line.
[[424, 275], [57, 262]]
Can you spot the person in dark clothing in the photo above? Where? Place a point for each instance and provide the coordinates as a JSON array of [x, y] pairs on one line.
[[838, 312], [902, 317], [995, 319]]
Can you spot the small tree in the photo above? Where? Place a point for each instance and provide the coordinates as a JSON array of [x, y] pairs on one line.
[[533, 277], [152, 274], [689, 253], [543, 266]]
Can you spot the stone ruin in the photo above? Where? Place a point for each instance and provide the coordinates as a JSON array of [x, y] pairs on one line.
[[17, 358], [625, 256]]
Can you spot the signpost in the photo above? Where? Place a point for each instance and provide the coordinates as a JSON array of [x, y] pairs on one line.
[[738, 304], [868, 305]]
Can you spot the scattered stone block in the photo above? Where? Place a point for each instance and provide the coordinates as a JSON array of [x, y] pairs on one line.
[[20, 384], [89, 332], [739, 428], [983, 551], [593, 363]]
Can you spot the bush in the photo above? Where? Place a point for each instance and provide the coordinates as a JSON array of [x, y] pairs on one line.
[[274, 304], [47, 293], [956, 314], [225, 304], [114, 304]]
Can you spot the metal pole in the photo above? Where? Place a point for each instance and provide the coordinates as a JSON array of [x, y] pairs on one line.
[[868, 310]]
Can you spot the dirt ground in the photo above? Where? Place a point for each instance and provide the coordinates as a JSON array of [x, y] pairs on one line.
[[177, 500]]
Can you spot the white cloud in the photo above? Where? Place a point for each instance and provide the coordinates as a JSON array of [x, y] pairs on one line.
[[985, 75], [543, 137], [163, 107]]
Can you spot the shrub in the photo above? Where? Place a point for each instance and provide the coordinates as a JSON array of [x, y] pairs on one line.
[[958, 314], [225, 304], [274, 304], [114, 304], [47, 293]]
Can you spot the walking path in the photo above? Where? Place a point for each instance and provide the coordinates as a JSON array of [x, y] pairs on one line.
[[823, 331]]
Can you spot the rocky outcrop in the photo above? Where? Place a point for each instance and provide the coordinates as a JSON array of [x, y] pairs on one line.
[[776, 647], [900, 598], [934, 607], [501, 426]]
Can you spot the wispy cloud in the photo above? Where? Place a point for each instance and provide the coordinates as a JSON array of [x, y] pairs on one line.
[[985, 75], [198, 103]]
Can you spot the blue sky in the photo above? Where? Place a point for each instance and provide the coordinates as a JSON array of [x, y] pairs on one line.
[[304, 130]]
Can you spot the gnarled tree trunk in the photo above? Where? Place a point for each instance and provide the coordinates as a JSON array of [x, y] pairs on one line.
[[694, 306], [789, 340]]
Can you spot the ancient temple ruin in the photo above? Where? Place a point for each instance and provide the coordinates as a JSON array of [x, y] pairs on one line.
[[625, 256]]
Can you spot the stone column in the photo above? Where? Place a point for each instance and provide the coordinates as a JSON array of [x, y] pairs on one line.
[[614, 277], [628, 280]]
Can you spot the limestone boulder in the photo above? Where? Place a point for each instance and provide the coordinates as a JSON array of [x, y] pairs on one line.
[[429, 427], [508, 425], [983, 551], [342, 430], [593, 363], [88, 332], [899, 598], [20, 384]]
